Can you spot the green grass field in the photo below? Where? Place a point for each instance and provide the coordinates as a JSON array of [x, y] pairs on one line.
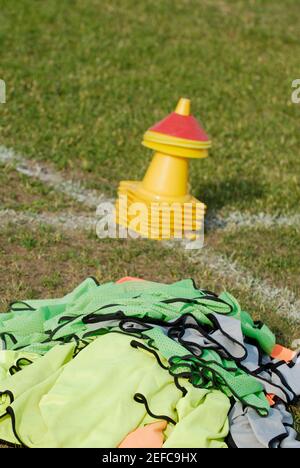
[[86, 79]]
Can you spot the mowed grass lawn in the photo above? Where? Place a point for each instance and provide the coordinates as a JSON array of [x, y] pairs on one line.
[[85, 79]]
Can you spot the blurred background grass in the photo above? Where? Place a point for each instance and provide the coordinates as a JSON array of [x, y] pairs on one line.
[[86, 79]]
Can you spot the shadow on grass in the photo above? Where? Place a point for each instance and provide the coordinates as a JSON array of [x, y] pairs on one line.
[[220, 194]]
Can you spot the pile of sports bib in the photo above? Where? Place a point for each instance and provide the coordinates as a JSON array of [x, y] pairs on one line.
[[141, 364]]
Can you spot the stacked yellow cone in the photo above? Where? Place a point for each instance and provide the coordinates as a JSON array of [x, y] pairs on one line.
[[160, 206]]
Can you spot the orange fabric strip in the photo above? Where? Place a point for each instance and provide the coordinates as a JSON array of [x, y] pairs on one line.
[[128, 278], [150, 436], [283, 354], [270, 398]]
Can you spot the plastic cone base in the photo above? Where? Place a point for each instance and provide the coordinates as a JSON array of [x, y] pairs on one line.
[[155, 219]]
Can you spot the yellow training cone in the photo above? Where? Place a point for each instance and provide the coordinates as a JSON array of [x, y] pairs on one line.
[[175, 140]]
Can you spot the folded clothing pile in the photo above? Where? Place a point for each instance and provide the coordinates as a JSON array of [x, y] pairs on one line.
[[143, 364]]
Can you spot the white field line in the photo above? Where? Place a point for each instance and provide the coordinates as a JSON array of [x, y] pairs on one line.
[[63, 221], [42, 172], [237, 220], [283, 300], [92, 198]]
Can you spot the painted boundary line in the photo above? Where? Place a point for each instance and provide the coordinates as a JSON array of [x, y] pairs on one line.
[[283, 300], [238, 220], [90, 198], [64, 221]]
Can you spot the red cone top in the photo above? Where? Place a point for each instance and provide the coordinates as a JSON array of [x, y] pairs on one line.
[[181, 124]]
